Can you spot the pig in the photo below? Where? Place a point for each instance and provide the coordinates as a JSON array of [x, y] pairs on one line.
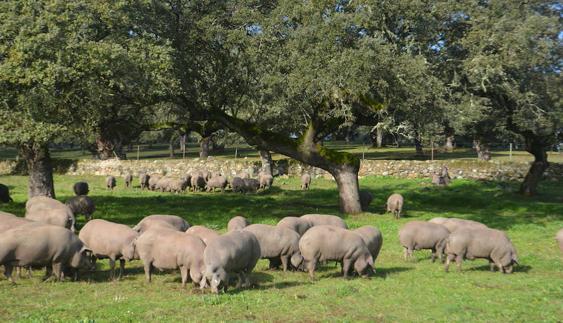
[[559, 238], [327, 242], [277, 243], [453, 224], [305, 181], [234, 253], [373, 238], [296, 224], [205, 234], [128, 180], [9, 221], [144, 180], [109, 240], [163, 184], [266, 181], [80, 188], [214, 182], [237, 185], [153, 179], [237, 223], [163, 248], [43, 245], [324, 219], [395, 204], [171, 221], [5, 194], [244, 175], [110, 182], [365, 199], [177, 185], [198, 181], [251, 185], [50, 211], [471, 243], [417, 235], [82, 204]]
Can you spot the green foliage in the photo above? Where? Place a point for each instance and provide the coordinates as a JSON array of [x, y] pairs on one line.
[[400, 290]]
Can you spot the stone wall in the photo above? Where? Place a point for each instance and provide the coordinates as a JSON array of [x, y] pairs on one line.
[[472, 169]]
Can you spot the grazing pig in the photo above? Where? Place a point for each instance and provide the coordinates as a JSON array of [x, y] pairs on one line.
[[50, 211], [395, 204], [43, 245], [163, 184], [9, 221], [244, 175], [109, 240], [198, 181], [251, 185], [163, 248], [237, 185], [324, 219], [296, 224], [493, 245], [326, 242], [236, 252], [214, 182], [237, 223], [365, 199], [177, 185], [277, 243], [559, 238], [82, 205], [128, 180], [453, 224], [373, 239], [5, 194], [266, 181], [205, 234], [305, 181], [417, 235], [80, 188], [153, 179], [171, 221], [144, 180], [111, 182]]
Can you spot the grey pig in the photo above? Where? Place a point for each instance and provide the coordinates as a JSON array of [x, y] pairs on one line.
[[237, 223], [144, 181], [417, 235], [305, 181], [277, 243], [296, 224], [9, 221], [43, 245], [153, 179], [163, 248], [157, 220], [365, 199], [237, 185], [5, 194], [373, 238], [395, 204], [82, 204], [493, 245], [234, 253], [327, 242], [251, 185], [128, 180], [81, 188], [214, 182], [110, 182], [324, 219], [453, 224], [109, 240], [205, 234], [198, 181], [50, 211], [177, 185], [266, 181]]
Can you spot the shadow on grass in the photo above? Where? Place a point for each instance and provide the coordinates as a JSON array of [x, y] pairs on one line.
[[517, 269]]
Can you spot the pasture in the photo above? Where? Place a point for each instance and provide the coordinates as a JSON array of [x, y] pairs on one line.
[[400, 291]]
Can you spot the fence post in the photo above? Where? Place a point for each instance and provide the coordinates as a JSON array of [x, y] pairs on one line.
[[236, 152], [510, 154], [138, 151], [431, 149]]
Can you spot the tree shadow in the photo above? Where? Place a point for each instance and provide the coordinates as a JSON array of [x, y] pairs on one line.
[[517, 269], [384, 272]]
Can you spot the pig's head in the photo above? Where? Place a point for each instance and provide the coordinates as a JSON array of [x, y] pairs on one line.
[[508, 259], [83, 259], [364, 265], [296, 259], [218, 279], [129, 252]]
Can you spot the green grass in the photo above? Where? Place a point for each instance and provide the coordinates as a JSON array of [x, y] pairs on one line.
[[400, 291]]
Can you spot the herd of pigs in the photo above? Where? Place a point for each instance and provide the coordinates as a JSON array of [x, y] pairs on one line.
[[46, 237]]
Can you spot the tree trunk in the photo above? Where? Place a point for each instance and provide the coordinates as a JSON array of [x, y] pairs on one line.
[[535, 173], [107, 148], [418, 146], [40, 170], [267, 164], [449, 145], [379, 137], [482, 149], [205, 144], [348, 189], [171, 148], [183, 139]]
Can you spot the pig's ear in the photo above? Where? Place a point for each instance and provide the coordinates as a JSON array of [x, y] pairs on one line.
[[370, 261]]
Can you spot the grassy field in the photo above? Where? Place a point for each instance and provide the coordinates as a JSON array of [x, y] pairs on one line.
[[400, 291]]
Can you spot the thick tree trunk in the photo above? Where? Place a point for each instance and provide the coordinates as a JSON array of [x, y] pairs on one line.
[[107, 148], [171, 148], [348, 189], [418, 146], [183, 139], [205, 145], [535, 173], [267, 164], [379, 133], [40, 170], [482, 149]]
